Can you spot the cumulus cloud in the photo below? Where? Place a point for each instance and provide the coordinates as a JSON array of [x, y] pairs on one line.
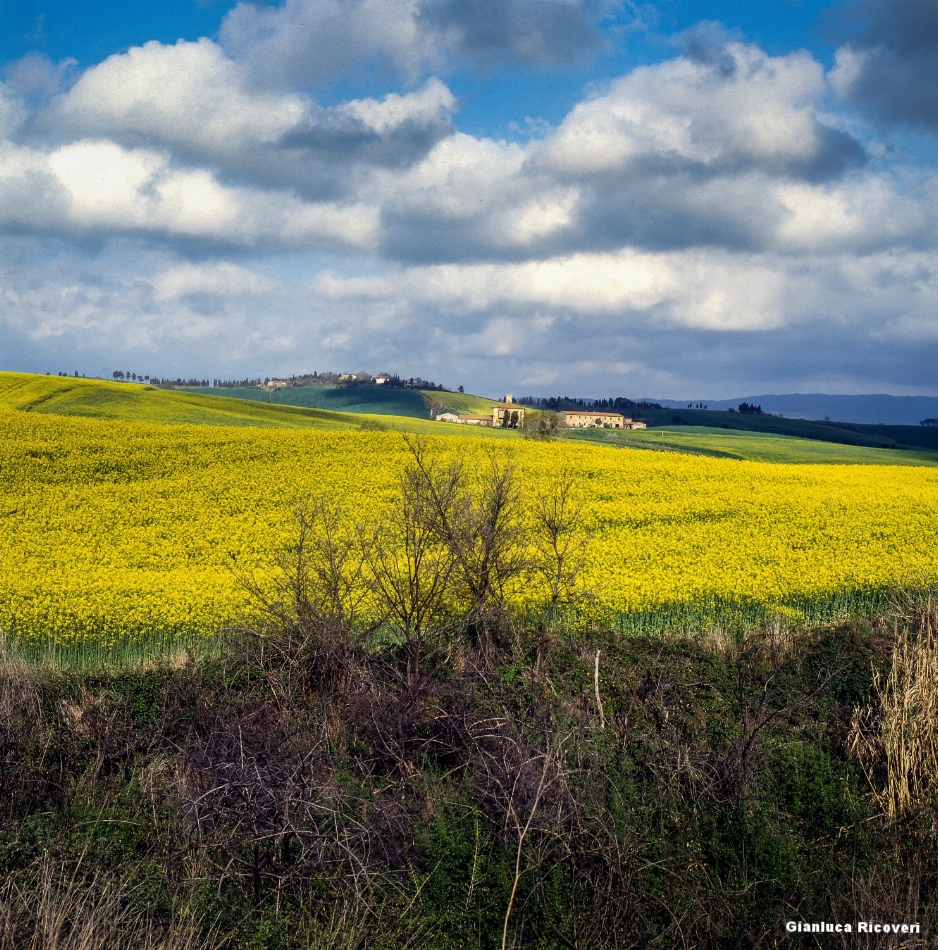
[[99, 187], [721, 146], [35, 76], [890, 70], [642, 323], [12, 111], [313, 41], [519, 30], [722, 150], [193, 99], [734, 110], [690, 219], [710, 317], [703, 290]]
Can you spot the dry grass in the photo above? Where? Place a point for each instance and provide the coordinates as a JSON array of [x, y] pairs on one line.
[[776, 641], [896, 739], [52, 911]]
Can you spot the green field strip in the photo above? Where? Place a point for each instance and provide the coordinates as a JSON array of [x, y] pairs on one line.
[[369, 398], [754, 446]]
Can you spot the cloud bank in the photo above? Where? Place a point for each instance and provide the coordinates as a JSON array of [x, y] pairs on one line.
[[708, 223]]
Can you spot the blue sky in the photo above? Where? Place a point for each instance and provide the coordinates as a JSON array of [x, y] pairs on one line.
[[666, 198]]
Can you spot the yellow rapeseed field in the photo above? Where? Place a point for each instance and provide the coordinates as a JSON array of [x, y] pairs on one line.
[[113, 529]]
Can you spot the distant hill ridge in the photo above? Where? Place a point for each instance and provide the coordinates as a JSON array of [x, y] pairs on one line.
[[872, 409]]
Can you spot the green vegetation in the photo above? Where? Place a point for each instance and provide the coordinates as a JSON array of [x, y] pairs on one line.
[[305, 789], [464, 403], [129, 402], [461, 774], [836, 432], [317, 407], [368, 398], [101, 399], [754, 446]]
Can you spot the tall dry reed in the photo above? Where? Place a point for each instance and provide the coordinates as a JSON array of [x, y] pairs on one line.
[[896, 738]]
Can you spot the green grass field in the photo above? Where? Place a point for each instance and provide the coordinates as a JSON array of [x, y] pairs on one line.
[[754, 446], [369, 399], [102, 399], [920, 437], [464, 402], [129, 402], [397, 410]]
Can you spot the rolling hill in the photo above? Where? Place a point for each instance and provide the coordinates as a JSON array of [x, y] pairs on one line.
[[368, 398], [903, 437], [102, 399], [701, 432], [131, 402], [464, 402]]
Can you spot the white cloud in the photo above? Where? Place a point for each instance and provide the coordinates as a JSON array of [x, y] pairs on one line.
[[423, 107], [848, 68], [194, 100], [761, 111], [12, 111], [189, 93], [703, 290], [695, 201], [98, 186], [220, 279], [318, 39]]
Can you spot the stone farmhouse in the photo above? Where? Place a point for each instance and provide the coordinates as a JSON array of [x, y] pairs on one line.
[[577, 419], [505, 415], [508, 414]]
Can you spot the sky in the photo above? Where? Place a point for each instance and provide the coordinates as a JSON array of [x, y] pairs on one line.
[[678, 198]]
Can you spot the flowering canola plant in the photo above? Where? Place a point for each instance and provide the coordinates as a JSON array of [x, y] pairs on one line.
[[110, 530]]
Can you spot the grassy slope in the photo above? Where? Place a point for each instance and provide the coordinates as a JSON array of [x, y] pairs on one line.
[[924, 436], [128, 402], [374, 400], [464, 402], [102, 399], [754, 446]]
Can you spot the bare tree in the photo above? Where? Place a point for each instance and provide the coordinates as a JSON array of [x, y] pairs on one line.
[[559, 540], [316, 599], [478, 516], [411, 567]]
